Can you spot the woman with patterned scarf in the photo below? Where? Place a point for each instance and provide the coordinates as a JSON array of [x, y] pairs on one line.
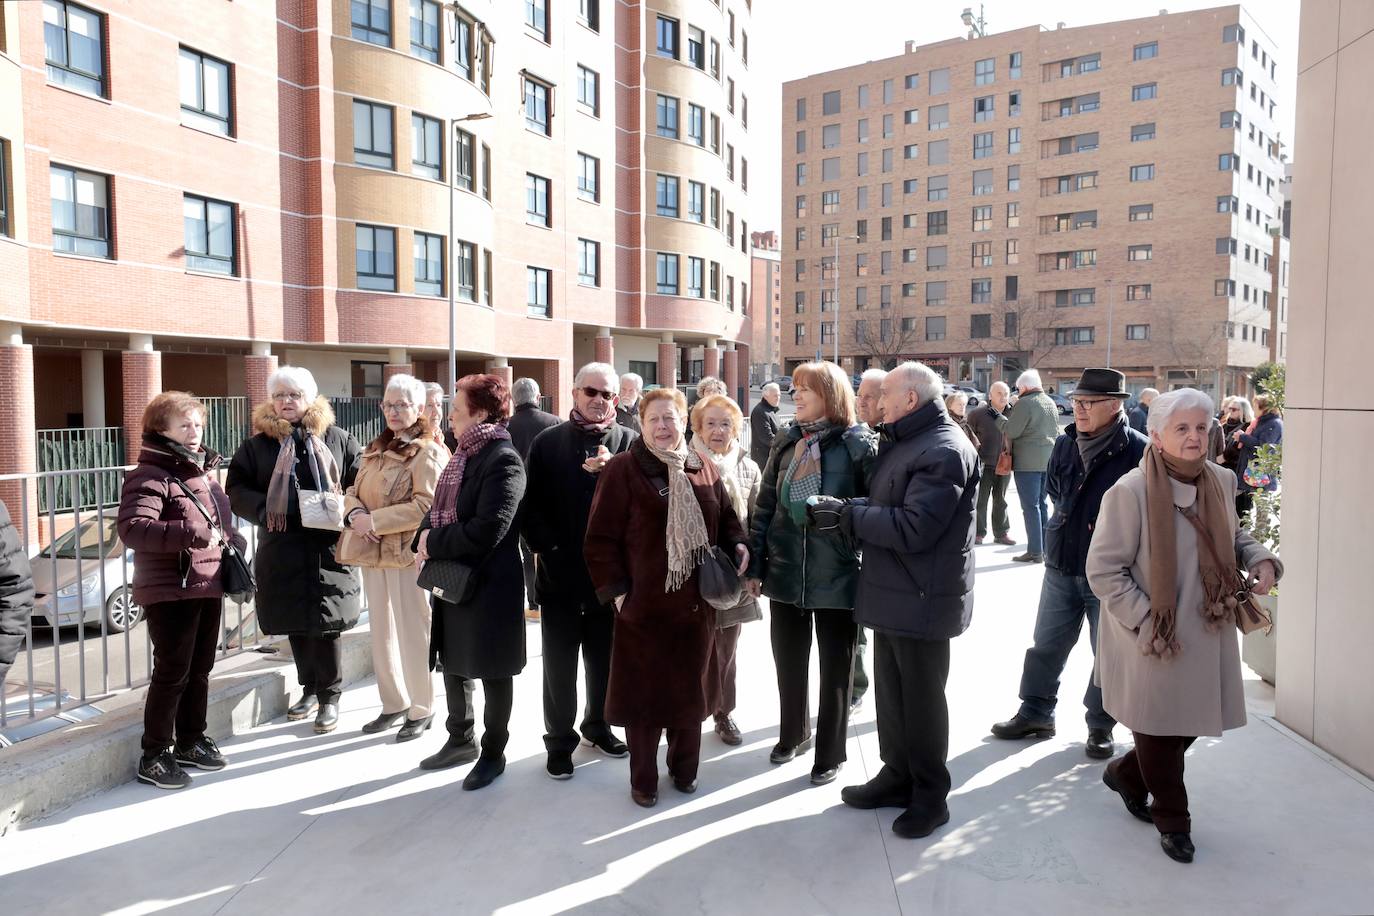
[[1167, 656], [659, 510], [303, 591], [472, 521], [812, 577]]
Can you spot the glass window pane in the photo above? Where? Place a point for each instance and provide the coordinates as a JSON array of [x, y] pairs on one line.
[[55, 32], [83, 38], [221, 220], [216, 77], [189, 66], [381, 129], [193, 222]]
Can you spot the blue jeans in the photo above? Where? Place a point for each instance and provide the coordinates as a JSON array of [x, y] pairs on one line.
[[1030, 489], [1064, 602]]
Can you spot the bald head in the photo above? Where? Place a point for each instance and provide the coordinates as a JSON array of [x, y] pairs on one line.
[[870, 393], [909, 386]]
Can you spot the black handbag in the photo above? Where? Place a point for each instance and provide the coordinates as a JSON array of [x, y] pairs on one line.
[[236, 576], [719, 583], [448, 580]]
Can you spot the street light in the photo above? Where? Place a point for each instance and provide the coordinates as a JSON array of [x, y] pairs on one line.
[[836, 266], [448, 272], [976, 27]]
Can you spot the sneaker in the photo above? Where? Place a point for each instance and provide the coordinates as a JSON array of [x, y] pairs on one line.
[[162, 771], [560, 765], [608, 744], [203, 755]]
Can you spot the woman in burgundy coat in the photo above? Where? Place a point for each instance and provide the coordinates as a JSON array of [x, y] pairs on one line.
[[658, 511]]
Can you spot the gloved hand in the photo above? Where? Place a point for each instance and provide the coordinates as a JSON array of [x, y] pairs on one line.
[[826, 513]]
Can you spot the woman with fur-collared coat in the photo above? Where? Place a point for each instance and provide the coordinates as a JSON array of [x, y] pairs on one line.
[[383, 510], [1168, 659], [303, 591]]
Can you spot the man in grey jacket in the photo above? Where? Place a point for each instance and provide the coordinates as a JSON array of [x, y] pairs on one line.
[[1032, 427], [915, 590]]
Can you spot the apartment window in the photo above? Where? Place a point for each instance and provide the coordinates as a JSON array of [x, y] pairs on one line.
[[1013, 255], [730, 164], [982, 219], [1228, 162], [1230, 119], [74, 46], [80, 212], [1143, 172], [830, 202], [937, 117], [1233, 77], [375, 252], [371, 21], [1014, 65], [935, 292], [1224, 287], [1138, 292], [589, 177], [1138, 213], [1144, 91], [984, 71], [730, 95], [696, 47], [935, 328], [426, 156], [696, 278], [696, 202], [1091, 102], [937, 222], [1013, 104], [1227, 204], [537, 200], [486, 171], [424, 30], [798, 333], [1232, 34], [909, 221], [937, 152], [715, 208], [1140, 253], [830, 169], [937, 257], [588, 262], [666, 271], [667, 117], [209, 234], [464, 154], [980, 254], [713, 65], [665, 195], [1013, 178], [885, 230], [537, 17], [887, 161], [462, 47], [1013, 140], [830, 103], [862, 134], [538, 292], [538, 115], [589, 90], [1013, 215], [1137, 332], [982, 145], [1145, 51], [696, 125], [983, 108], [830, 136], [861, 166], [589, 14], [937, 187], [939, 81], [1071, 336], [1226, 246], [5, 229], [801, 141], [204, 92]]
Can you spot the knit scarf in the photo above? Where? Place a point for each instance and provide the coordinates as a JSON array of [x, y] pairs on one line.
[[689, 544], [323, 468], [1090, 446], [727, 465], [444, 509], [804, 474], [1212, 509], [580, 420]]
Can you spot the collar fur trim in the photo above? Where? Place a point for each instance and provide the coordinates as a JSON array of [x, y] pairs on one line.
[[318, 417]]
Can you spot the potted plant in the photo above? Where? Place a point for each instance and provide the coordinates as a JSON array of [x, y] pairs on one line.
[[1258, 649]]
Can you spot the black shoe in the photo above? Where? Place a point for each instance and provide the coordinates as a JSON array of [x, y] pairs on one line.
[[607, 744], [1137, 806], [414, 728], [1018, 726], [915, 823], [303, 707], [728, 731], [644, 799], [1003, 539], [1099, 745], [162, 771], [203, 755], [1177, 846], [781, 753], [824, 777], [327, 719], [1028, 557], [485, 773], [560, 765], [383, 722], [876, 793], [453, 753], [686, 788]]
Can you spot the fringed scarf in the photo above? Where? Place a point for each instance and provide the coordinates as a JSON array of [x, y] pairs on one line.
[[803, 478], [323, 468], [688, 542], [444, 509]]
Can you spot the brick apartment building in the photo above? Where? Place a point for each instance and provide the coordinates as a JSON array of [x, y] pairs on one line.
[[1056, 198], [194, 193], [767, 307]]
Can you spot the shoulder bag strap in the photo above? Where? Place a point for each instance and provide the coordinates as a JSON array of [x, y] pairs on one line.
[[219, 529]]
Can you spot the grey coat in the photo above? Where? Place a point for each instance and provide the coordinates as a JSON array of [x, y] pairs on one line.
[[1032, 427], [1199, 691]]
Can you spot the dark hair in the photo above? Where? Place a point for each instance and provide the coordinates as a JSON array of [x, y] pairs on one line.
[[487, 394], [168, 406]]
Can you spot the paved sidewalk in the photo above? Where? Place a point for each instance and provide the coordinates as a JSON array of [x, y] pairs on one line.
[[345, 823]]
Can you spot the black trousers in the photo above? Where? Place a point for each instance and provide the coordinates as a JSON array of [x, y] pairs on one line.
[[836, 634], [684, 754], [499, 694], [318, 660], [860, 673], [184, 635], [527, 558], [1155, 767], [913, 717], [568, 629]]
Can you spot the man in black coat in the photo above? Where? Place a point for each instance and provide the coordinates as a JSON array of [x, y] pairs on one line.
[[627, 411], [763, 424], [16, 593], [915, 590], [563, 467], [1094, 452], [526, 423], [989, 423]]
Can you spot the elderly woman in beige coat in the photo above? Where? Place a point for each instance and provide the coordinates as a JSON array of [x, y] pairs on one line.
[[1167, 658], [382, 510]]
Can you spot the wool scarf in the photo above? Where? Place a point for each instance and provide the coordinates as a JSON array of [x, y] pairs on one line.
[[689, 545], [727, 465], [444, 509], [1212, 508], [1089, 447], [323, 468], [804, 474], [581, 421]]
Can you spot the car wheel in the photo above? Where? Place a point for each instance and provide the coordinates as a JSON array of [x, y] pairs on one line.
[[121, 613]]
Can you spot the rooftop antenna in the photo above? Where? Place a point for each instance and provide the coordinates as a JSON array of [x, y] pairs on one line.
[[977, 28]]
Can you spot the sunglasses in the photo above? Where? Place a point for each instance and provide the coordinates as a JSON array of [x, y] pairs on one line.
[[598, 393]]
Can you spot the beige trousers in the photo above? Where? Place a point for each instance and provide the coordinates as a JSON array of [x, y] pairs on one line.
[[399, 616]]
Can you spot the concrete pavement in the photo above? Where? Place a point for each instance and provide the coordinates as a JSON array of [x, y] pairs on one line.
[[345, 823]]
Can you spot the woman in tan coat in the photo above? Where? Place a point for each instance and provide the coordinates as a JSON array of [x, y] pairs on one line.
[[1168, 659], [383, 510]]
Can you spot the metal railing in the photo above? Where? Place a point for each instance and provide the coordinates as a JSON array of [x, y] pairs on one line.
[[360, 416], [76, 449], [226, 424]]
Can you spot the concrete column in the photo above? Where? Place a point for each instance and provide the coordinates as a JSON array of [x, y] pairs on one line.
[[397, 363], [711, 358], [742, 355], [731, 371], [667, 361], [258, 366], [605, 347], [17, 424], [551, 383], [501, 368], [93, 387], [142, 380]]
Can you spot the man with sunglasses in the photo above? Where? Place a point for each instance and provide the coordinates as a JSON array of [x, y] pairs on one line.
[[1095, 451], [562, 470]]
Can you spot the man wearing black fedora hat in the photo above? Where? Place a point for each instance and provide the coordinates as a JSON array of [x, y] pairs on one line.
[[1095, 451]]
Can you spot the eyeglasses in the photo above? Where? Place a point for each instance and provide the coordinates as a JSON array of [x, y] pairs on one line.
[[288, 396], [1086, 403], [397, 406], [598, 393]]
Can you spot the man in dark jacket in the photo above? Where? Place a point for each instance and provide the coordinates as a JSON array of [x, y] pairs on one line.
[[915, 590], [627, 411], [527, 422], [16, 593], [1140, 413], [763, 424], [989, 424], [1095, 451], [562, 473]]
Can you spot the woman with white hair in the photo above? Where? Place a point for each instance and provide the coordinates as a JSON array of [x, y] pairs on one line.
[[434, 410], [1164, 562], [303, 592], [382, 511], [1236, 415]]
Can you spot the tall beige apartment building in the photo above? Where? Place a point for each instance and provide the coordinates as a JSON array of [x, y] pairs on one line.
[[1048, 197], [767, 307]]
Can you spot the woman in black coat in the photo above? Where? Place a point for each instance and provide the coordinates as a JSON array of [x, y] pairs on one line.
[[303, 591], [472, 521]]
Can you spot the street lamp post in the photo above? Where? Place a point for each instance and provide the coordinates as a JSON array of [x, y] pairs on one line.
[[835, 265]]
